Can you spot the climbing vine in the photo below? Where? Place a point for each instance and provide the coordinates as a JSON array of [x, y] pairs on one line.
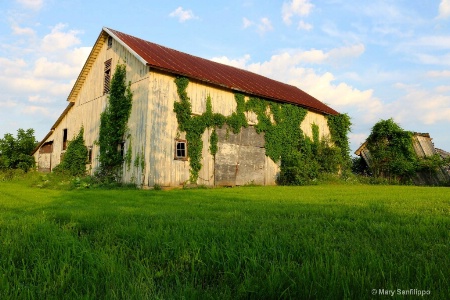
[[75, 157], [302, 159], [194, 126], [113, 125], [339, 126]]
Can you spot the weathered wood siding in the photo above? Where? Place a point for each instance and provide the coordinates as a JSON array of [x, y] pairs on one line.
[[162, 126], [318, 119], [153, 126], [91, 102]]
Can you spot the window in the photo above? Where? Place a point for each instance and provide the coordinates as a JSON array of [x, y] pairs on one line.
[[64, 145], [121, 148], [107, 80], [110, 41], [46, 148], [89, 158], [181, 149]]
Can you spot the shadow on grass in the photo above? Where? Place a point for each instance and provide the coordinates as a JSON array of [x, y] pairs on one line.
[[230, 243]]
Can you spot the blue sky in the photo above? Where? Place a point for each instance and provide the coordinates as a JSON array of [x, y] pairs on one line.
[[371, 59]]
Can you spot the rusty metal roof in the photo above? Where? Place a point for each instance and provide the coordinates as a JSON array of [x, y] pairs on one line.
[[204, 70]]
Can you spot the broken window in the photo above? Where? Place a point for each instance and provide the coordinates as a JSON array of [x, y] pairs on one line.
[[110, 40], [181, 149], [107, 80], [64, 145]]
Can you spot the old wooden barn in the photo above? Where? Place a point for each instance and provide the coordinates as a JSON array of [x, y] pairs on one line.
[[158, 149], [423, 147]]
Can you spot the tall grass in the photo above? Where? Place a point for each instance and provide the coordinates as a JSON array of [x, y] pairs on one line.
[[319, 242]]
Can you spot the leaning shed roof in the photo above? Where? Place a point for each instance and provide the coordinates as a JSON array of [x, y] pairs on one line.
[[194, 67]]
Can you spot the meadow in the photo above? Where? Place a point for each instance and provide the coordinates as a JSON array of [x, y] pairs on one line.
[[313, 242]]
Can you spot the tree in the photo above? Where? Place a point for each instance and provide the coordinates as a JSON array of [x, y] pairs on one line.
[[74, 161], [15, 153], [392, 152]]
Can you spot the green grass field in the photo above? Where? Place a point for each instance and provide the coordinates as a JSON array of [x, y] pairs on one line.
[[316, 242]]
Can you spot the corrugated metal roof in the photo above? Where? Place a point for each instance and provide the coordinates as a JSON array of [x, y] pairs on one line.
[[201, 69]]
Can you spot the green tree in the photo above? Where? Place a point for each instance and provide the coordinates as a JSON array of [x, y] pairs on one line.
[[15, 153], [113, 125], [392, 152], [74, 161]]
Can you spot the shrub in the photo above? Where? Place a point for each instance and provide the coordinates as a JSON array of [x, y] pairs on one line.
[[74, 161]]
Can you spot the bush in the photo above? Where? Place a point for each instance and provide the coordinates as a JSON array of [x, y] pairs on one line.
[[75, 158]]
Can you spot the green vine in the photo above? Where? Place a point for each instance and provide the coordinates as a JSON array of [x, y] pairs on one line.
[[339, 126], [237, 119], [302, 159], [113, 125], [195, 126], [213, 140], [75, 158], [128, 155]]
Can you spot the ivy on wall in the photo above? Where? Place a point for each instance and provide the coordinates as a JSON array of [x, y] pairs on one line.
[[195, 126], [302, 159], [339, 126], [75, 157], [113, 125]]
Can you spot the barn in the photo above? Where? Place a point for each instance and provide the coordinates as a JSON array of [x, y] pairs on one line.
[[423, 147], [155, 145]]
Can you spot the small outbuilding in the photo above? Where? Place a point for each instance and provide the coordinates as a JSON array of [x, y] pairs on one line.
[[423, 147]]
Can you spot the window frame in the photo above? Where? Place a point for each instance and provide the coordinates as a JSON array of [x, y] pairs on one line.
[[107, 77], [64, 139], [89, 156], [176, 149]]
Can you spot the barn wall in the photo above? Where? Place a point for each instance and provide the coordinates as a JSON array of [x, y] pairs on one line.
[[162, 131], [90, 103], [319, 120]]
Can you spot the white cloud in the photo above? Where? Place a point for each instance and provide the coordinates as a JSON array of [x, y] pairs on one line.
[[418, 105], [39, 99], [264, 26], [58, 40], [9, 67], [31, 4], [444, 9], [438, 74], [430, 59], [295, 8], [442, 89], [432, 41], [304, 26], [17, 30], [238, 63], [246, 23], [342, 54], [57, 70], [182, 15], [33, 110], [7, 104], [77, 56], [289, 67]]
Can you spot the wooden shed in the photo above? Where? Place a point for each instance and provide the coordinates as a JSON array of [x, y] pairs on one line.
[[423, 147], [154, 136]]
